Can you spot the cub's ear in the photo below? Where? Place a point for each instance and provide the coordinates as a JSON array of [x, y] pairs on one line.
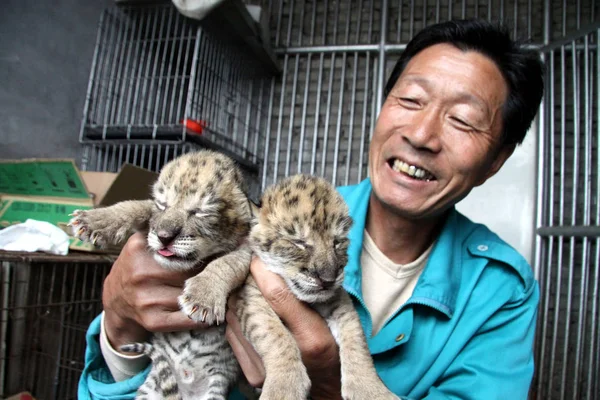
[[254, 210]]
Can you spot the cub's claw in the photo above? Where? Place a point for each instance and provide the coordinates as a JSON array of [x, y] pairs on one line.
[[203, 301]]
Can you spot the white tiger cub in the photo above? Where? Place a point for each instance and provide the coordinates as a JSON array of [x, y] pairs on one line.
[[301, 234], [199, 211]]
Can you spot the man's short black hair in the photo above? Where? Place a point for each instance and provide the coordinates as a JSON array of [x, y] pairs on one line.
[[522, 68]]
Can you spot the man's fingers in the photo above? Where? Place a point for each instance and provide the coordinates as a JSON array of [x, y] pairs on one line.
[[160, 312], [300, 319], [171, 321]]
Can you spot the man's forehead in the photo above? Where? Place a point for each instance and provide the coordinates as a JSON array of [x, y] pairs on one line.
[[478, 77]]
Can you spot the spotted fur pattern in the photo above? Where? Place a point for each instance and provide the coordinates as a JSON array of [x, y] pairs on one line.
[[301, 234], [199, 211]]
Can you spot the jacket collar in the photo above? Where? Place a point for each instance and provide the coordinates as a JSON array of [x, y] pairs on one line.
[[438, 285]]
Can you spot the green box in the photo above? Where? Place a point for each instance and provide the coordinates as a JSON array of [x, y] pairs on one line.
[[45, 190], [50, 190], [42, 178]]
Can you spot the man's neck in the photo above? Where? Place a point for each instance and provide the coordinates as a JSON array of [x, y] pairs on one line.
[[402, 240]]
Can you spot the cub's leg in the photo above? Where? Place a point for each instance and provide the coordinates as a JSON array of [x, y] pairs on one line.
[[205, 295], [286, 377], [111, 225], [359, 377], [161, 383]]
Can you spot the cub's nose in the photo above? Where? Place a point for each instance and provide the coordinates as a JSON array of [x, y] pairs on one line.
[[167, 237], [325, 279], [325, 284]]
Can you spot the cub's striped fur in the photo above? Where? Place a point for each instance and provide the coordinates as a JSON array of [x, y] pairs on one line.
[[199, 210], [189, 365], [301, 234]]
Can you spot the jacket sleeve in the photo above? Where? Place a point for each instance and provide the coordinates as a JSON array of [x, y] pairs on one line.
[[497, 363], [96, 381]]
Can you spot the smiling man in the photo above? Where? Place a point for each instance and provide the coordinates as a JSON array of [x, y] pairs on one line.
[[448, 308]]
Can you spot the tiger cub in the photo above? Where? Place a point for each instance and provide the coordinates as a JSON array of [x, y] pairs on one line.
[[199, 211], [301, 234]]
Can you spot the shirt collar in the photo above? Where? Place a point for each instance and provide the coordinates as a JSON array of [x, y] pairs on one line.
[[438, 285]]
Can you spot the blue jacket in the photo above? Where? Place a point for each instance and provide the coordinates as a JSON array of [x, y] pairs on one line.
[[467, 330], [465, 333]]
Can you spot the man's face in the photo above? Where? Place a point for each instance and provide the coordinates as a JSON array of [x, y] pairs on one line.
[[438, 132]]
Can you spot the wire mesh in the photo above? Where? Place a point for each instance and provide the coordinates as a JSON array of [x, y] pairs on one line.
[[157, 75], [568, 328], [46, 309], [325, 23], [321, 117], [298, 23]]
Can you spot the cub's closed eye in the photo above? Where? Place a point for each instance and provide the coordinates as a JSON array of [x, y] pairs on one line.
[[302, 245], [160, 205], [201, 213]]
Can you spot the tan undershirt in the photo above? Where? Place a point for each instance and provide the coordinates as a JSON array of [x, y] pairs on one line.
[[386, 285]]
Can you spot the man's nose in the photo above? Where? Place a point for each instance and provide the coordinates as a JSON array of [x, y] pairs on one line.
[[425, 131]]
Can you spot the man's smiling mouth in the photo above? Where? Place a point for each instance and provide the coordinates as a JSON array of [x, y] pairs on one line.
[[410, 170]]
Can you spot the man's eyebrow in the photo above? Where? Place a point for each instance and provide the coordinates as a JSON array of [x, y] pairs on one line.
[[461, 96]]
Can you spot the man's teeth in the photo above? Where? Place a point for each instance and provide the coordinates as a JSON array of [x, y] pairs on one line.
[[415, 172]]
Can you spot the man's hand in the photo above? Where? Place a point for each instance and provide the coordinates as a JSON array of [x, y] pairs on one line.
[[140, 296], [320, 353]]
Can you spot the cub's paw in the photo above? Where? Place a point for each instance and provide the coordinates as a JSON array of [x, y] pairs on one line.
[[289, 386], [98, 226], [373, 389], [203, 300]]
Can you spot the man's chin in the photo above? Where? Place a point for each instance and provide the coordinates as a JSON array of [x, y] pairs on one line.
[[397, 206]]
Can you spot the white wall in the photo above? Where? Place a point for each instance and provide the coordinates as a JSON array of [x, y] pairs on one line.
[[506, 202]]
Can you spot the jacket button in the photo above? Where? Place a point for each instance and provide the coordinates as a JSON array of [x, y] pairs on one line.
[[482, 247], [400, 337]]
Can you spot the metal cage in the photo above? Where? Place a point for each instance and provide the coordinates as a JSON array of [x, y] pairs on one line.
[[568, 337], [158, 76], [46, 309]]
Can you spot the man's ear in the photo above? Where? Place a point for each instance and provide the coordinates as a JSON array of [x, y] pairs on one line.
[[503, 154]]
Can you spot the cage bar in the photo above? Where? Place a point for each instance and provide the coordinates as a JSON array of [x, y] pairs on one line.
[[148, 82], [46, 309]]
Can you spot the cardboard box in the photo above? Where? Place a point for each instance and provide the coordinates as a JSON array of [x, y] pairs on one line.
[[50, 190]]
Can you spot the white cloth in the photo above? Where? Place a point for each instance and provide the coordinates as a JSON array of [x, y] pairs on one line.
[[386, 285], [121, 366], [33, 235], [196, 9]]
